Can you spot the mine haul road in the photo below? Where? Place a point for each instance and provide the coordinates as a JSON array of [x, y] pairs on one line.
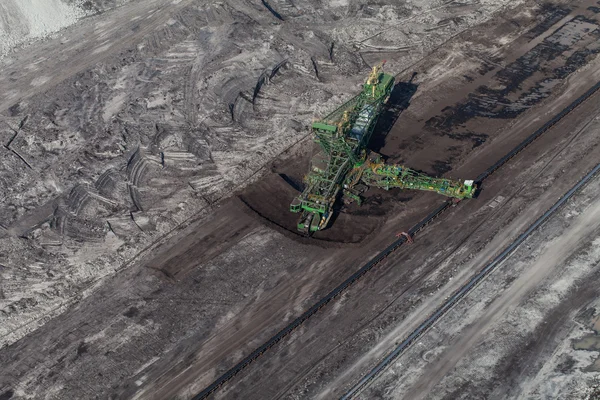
[[224, 285]]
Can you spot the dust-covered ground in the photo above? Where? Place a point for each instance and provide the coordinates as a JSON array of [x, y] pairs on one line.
[[22, 22], [131, 122], [529, 331], [125, 270]]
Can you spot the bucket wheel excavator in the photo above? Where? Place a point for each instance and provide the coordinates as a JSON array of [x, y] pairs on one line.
[[344, 166]]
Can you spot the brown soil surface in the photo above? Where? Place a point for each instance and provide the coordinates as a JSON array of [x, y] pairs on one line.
[[226, 280]]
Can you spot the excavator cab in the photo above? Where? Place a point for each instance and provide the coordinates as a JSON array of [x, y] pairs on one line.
[[296, 205]]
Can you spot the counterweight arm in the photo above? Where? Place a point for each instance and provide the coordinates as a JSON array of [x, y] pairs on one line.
[[387, 176]]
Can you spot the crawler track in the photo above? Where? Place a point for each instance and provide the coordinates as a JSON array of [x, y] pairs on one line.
[[391, 248]]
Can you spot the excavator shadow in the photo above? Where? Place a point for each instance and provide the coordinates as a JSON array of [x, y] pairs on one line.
[[478, 190], [267, 201], [398, 102]]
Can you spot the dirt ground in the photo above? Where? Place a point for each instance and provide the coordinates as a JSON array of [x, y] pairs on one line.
[[145, 240], [385, 307], [521, 333]]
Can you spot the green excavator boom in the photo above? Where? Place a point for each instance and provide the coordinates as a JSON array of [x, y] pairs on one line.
[[387, 176], [342, 136]]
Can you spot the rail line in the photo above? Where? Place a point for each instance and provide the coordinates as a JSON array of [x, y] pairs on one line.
[[287, 330], [464, 290]]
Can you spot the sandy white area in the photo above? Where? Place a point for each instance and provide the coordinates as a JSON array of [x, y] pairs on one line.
[[24, 20]]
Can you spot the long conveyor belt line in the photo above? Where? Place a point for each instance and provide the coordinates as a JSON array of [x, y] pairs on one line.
[[311, 311], [464, 290], [382, 255]]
